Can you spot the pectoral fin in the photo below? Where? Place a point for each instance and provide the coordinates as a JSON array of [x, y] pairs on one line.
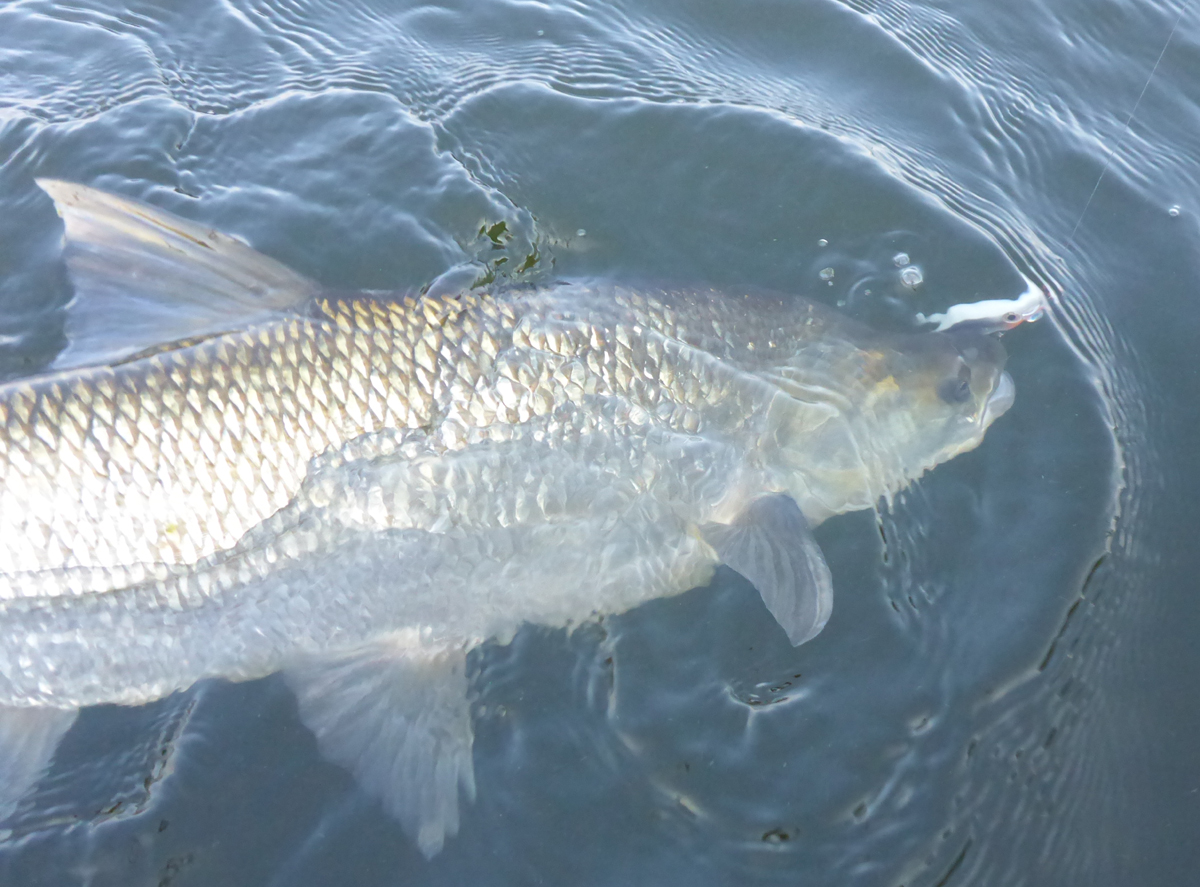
[[28, 738], [771, 544], [395, 714]]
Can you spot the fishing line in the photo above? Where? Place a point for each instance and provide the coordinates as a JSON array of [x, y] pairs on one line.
[[1128, 121]]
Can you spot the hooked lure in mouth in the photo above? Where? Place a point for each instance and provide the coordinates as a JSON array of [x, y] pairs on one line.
[[991, 315], [233, 471]]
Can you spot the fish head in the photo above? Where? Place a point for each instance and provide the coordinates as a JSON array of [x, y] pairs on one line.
[[939, 394], [873, 412]]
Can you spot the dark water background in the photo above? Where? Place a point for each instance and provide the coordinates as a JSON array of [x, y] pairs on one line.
[[1006, 692]]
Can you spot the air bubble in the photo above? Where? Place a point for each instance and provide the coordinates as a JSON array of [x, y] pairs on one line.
[[822, 242], [1174, 211], [911, 276], [827, 274], [581, 233], [901, 259]]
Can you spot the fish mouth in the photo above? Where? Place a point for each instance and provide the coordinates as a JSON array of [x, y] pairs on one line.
[[1000, 399]]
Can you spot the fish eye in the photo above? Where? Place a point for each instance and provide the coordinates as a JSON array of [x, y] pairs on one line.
[[956, 389], [1010, 317]]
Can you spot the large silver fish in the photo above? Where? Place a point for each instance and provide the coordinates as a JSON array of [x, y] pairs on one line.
[[233, 472]]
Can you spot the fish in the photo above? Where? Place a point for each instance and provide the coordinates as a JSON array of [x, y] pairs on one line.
[[232, 471]]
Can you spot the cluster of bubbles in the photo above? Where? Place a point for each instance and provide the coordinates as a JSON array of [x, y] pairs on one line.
[[910, 274]]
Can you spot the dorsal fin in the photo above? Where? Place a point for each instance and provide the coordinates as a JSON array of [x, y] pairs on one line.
[[144, 277]]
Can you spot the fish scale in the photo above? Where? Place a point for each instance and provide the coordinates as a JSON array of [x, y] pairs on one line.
[[185, 451], [187, 395]]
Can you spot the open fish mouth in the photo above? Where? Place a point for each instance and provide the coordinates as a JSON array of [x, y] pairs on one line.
[[1000, 399]]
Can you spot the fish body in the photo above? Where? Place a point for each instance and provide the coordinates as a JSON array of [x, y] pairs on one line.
[[357, 488]]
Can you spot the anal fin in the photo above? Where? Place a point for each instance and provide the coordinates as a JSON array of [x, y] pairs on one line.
[[28, 738], [772, 546], [395, 714]]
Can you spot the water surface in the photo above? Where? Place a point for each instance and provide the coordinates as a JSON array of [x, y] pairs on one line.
[[1004, 694]]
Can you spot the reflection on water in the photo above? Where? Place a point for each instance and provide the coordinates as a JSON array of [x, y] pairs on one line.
[[989, 703]]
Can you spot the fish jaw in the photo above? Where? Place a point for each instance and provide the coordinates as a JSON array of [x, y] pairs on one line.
[[1000, 401]]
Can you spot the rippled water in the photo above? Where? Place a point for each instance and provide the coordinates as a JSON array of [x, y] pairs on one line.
[[1005, 692]]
